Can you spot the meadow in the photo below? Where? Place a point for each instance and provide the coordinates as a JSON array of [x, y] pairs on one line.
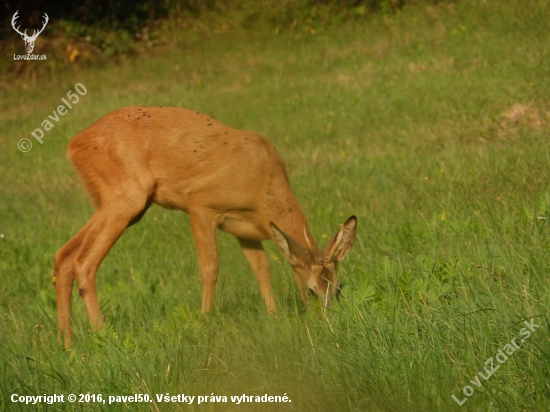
[[430, 125]]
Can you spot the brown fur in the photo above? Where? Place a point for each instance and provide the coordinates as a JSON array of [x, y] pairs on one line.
[[224, 178]]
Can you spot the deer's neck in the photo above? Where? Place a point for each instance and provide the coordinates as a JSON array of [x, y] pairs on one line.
[[291, 220]]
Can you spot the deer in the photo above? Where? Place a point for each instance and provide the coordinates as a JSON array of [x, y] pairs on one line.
[[227, 179], [29, 40]]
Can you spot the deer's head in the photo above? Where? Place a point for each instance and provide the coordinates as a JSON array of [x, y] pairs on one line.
[[314, 269], [29, 40]]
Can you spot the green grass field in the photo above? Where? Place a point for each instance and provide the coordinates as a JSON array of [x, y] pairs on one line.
[[430, 125]]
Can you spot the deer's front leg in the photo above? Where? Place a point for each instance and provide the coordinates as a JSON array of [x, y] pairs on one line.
[[204, 226], [255, 254]]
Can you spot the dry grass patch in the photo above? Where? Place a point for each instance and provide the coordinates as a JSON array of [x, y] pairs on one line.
[[522, 115]]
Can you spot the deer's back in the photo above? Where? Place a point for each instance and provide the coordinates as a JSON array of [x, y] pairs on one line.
[[179, 156]]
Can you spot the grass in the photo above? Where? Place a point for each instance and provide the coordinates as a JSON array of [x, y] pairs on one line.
[[430, 125]]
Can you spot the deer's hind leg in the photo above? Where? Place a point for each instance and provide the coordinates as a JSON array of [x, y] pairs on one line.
[[81, 256], [64, 279]]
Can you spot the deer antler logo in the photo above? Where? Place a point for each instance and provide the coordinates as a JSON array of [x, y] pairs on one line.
[[29, 40]]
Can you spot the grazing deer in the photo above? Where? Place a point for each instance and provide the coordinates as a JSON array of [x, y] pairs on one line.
[[227, 179], [29, 40]]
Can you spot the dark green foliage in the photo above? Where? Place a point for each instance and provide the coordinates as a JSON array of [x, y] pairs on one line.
[[132, 15]]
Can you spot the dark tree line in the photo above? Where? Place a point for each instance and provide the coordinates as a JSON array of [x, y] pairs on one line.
[[132, 15], [112, 14]]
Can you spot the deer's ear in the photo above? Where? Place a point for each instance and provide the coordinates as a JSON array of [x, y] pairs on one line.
[[346, 242], [292, 251]]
